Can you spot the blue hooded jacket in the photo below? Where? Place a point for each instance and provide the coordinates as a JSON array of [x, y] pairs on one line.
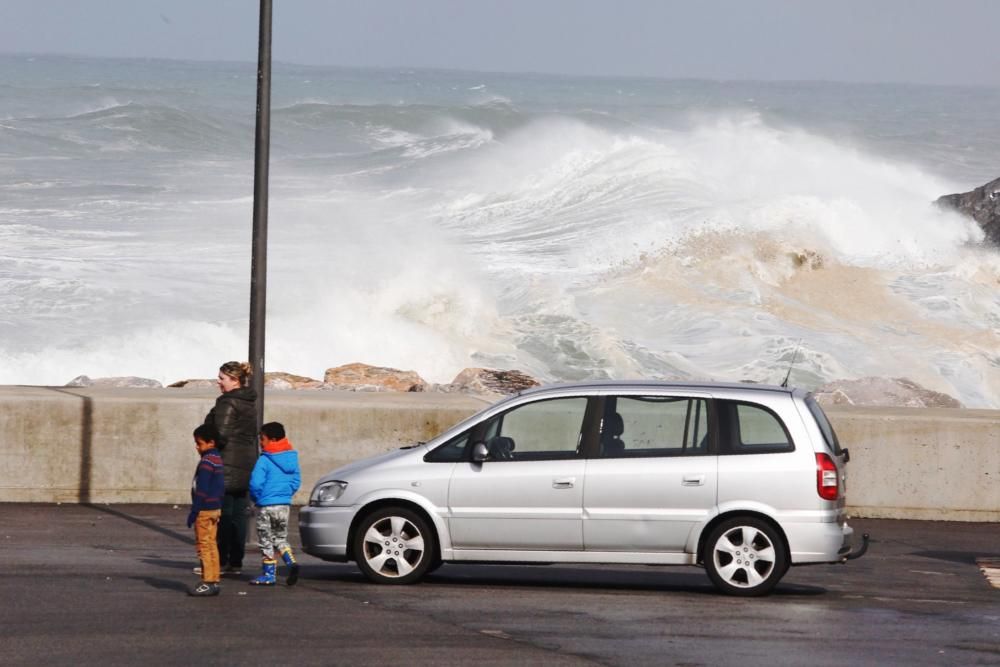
[[276, 476]]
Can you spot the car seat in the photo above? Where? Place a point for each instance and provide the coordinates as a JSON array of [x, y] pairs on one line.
[[611, 442], [501, 448]]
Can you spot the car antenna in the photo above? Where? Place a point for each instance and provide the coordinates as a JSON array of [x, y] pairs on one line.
[[784, 383]]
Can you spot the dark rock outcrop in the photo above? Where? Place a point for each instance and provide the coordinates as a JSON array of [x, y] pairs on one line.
[[199, 383], [982, 205], [490, 381], [883, 392]]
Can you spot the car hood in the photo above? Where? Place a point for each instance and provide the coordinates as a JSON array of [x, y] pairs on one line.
[[362, 464]]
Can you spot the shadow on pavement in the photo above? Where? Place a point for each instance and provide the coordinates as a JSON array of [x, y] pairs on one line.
[[964, 557], [173, 564], [163, 584], [172, 534]]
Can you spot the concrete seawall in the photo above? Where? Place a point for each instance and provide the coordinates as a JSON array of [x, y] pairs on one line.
[[62, 444]]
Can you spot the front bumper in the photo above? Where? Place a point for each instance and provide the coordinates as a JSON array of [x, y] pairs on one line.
[[324, 531]]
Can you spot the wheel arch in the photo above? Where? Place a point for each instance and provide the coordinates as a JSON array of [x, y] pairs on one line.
[[380, 503], [732, 514]]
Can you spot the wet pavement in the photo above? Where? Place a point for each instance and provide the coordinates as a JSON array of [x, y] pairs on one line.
[[87, 584]]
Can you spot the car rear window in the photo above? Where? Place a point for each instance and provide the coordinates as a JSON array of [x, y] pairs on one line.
[[748, 428], [825, 427]]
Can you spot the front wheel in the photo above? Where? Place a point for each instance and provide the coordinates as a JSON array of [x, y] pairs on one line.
[[394, 545], [745, 556]]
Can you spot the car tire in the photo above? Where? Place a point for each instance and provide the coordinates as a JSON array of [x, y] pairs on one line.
[[745, 556], [394, 545]]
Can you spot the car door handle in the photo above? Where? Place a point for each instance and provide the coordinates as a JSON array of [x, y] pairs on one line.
[[693, 480], [563, 483]]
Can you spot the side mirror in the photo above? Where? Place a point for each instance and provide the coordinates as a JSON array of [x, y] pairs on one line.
[[479, 452]]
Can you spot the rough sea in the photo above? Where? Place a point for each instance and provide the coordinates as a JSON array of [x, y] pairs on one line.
[[432, 220]]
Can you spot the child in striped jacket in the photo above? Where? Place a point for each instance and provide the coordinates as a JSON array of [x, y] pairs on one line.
[[207, 489]]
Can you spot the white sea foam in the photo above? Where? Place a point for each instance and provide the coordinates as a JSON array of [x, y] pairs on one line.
[[574, 240]]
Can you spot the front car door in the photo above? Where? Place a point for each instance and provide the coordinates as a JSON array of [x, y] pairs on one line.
[[528, 495]]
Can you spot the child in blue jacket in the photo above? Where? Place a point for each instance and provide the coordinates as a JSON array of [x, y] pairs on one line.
[[273, 482]]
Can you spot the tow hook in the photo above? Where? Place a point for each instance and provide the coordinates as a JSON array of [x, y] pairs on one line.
[[861, 551]]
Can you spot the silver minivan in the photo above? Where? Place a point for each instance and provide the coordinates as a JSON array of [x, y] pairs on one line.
[[743, 479]]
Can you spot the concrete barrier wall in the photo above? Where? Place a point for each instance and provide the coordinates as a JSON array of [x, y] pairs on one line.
[[134, 445]]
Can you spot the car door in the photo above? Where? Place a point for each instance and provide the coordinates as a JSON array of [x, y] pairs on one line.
[[528, 495], [654, 476]]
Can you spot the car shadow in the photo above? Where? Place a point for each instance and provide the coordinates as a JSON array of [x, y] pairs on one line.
[[550, 577]]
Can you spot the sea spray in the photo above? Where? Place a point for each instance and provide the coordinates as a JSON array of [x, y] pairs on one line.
[[572, 228]]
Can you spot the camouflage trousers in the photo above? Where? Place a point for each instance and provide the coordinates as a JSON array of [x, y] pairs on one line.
[[272, 530]]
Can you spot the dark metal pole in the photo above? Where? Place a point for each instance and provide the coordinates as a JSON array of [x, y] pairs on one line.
[[258, 265]]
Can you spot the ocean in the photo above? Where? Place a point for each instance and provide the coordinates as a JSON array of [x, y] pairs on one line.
[[568, 227]]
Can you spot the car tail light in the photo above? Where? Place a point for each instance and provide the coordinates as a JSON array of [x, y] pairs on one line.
[[827, 479]]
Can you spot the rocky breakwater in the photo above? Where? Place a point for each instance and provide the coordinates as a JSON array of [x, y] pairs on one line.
[[493, 384], [364, 377], [982, 205]]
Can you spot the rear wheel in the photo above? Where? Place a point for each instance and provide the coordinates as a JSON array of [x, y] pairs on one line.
[[394, 545], [745, 556]]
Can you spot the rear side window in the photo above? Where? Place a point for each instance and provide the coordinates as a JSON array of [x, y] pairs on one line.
[[752, 429], [641, 426]]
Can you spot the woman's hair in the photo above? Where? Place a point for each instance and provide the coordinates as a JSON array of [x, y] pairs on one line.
[[239, 370]]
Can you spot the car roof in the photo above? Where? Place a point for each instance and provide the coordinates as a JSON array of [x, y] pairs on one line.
[[656, 385]]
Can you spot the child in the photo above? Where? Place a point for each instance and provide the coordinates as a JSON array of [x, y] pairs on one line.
[[273, 482], [207, 488]]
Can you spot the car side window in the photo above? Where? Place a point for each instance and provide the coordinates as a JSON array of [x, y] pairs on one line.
[[543, 430], [752, 429], [642, 426]]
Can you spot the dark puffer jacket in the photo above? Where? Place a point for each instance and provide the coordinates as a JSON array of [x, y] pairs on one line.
[[235, 415]]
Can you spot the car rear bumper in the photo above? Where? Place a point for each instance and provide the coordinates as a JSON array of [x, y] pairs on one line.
[[819, 542]]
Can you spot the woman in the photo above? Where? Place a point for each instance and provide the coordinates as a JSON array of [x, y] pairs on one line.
[[235, 418]]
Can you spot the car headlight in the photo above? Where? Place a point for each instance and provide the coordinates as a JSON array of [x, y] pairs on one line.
[[327, 493]]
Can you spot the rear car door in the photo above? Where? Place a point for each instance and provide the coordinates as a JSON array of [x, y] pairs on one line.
[[654, 476]]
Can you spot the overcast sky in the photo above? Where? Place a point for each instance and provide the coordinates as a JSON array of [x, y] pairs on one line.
[[923, 41]]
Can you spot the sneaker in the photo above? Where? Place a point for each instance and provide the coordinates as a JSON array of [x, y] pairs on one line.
[[196, 570], [204, 590]]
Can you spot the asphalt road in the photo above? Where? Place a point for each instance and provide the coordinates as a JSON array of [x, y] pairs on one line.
[[106, 584]]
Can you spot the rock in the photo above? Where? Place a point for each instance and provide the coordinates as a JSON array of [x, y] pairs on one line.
[[883, 392], [982, 205], [193, 384], [490, 381], [126, 381], [281, 380], [362, 377]]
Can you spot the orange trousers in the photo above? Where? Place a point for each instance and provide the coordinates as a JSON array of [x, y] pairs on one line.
[[205, 528]]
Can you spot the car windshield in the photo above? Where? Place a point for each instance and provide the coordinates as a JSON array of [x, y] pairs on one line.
[[825, 427]]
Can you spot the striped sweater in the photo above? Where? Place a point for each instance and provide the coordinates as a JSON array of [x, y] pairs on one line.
[[208, 485]]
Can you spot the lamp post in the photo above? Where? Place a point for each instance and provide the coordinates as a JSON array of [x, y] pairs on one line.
[[258, 262]]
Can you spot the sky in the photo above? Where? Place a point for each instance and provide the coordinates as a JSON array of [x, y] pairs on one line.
[[916, 41]]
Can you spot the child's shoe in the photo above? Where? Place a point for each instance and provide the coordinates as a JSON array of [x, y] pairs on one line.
[[204, 590], [293, 567], [267, 577]]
